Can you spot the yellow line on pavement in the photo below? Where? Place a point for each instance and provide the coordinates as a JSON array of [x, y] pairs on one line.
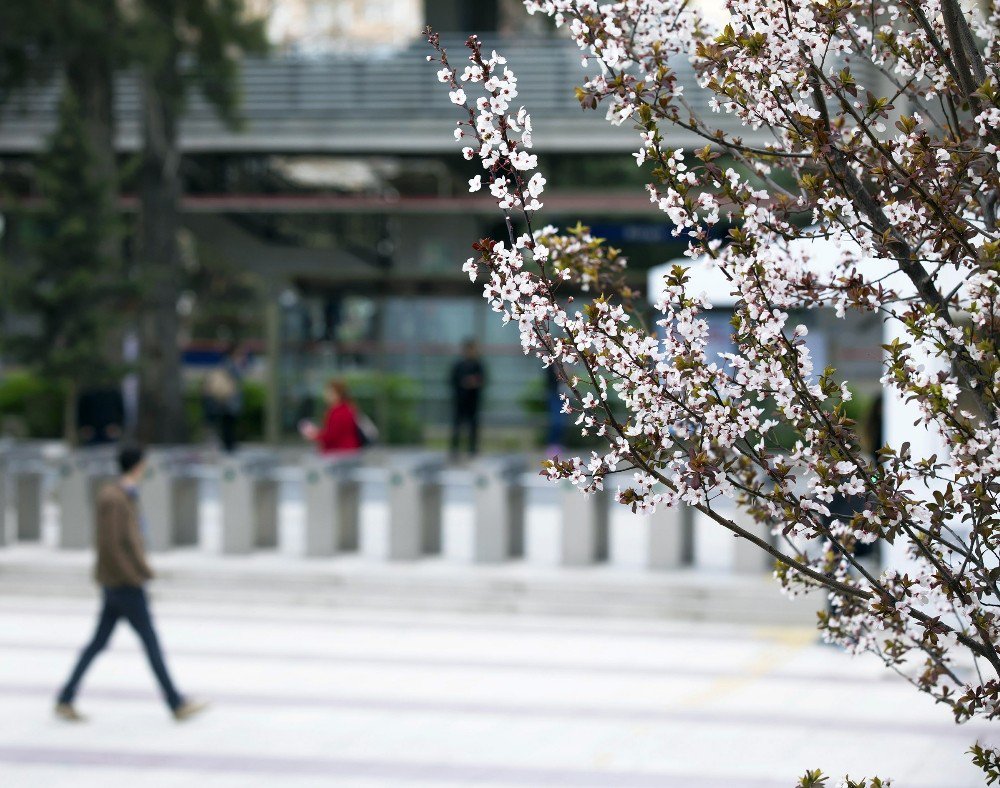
[[782, 644]]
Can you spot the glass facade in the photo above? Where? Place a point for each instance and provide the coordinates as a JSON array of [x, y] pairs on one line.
[[412, 340]]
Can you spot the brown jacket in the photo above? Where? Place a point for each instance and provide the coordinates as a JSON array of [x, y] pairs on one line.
[[121, 557]]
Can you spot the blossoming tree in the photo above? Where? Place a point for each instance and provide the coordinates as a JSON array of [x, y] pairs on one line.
[[884, 124]]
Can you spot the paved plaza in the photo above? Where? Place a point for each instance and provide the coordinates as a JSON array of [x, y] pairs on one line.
[[305, 695]]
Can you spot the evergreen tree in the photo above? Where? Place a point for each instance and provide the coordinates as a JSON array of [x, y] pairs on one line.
[[71, 287]]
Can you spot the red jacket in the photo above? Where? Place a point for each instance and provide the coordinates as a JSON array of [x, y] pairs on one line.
[[340, 430]]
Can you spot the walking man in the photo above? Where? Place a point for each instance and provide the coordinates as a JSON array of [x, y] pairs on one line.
[[468, 379], [122, 572]]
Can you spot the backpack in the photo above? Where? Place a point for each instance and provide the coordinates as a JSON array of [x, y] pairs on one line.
[[367, 431]]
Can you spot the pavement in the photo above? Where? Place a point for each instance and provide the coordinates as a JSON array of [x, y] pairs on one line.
[[432, 583], [307, 694]]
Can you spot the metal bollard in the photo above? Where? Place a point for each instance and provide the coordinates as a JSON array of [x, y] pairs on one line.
[[332, 501], [81, 475], [170, 494], [482, 517], [25, 469], [5, 519], [563, 527], [29, 497], [401, 509], [249, 497], [661, 540]]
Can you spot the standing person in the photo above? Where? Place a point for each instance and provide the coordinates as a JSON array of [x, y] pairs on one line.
[[224, 396], [122, 572], [340, 432], [468, 379]]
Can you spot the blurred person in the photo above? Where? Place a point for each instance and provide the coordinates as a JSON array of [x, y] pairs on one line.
[[122, 572], [340, 431], [223, 395], [468, 379], [100, 415]]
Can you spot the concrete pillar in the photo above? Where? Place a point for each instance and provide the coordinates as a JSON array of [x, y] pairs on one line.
[[169, 496], [29, 495], [81, 475], [379, 540], [265, 508], [562, 526], [748, 558], [187, 511], [661, 540], [236, 501], [718, 549], [272, 402], [482, 513], [401, 509], [6, 521], [331, 503]]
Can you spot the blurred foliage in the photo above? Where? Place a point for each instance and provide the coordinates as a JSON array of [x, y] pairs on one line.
[[249, 425], [226, 299], [36, 38], [390, 400], [70, 287], [32, 407], [858, 409]]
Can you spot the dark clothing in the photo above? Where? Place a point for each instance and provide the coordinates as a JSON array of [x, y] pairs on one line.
[[223, 401], [467, 422], [121, 557], [227, 431], [468, 378], [129, 603], [122, 570], [100, 415]]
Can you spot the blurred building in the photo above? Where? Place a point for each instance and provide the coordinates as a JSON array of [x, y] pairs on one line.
[[343, 195]]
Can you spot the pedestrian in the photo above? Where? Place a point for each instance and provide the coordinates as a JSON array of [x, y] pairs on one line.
[[122, 572], [223, 396], [468, 379], [340, 431]]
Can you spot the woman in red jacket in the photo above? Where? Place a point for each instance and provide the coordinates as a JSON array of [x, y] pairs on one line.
[[339, 432]]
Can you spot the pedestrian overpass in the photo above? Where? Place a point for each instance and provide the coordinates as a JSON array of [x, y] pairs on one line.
[[365, 104]]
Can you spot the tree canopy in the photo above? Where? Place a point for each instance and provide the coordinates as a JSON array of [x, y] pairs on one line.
[[883, 124]]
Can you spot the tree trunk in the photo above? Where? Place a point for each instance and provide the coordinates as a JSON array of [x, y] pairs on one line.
[[90, 76], [161, 407]]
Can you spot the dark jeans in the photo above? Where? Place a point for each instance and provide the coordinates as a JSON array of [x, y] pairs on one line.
[[128, 603], [469, 420]]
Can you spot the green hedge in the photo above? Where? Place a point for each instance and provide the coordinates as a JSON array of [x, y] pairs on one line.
[[249, 426], [390, 400], [39, 405]]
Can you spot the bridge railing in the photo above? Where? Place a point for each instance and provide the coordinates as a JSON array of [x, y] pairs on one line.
[[363, 102]]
